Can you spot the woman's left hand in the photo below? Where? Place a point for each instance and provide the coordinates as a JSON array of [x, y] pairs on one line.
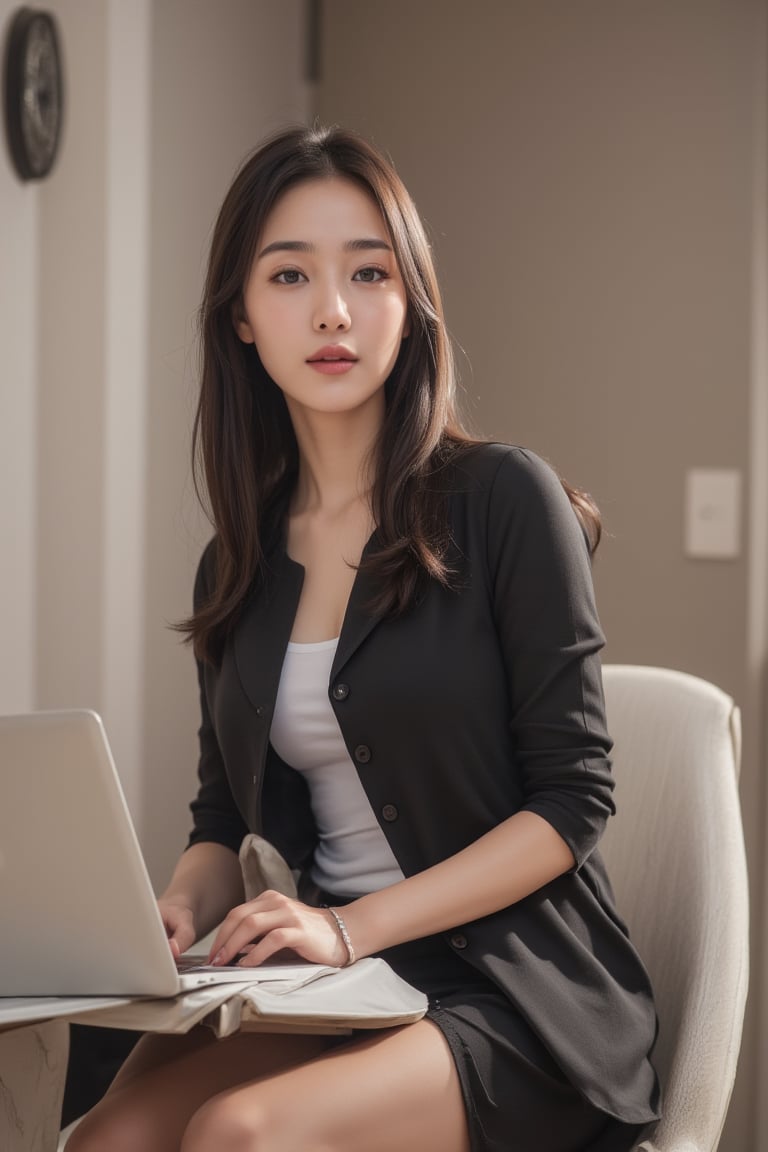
[[272, 922]]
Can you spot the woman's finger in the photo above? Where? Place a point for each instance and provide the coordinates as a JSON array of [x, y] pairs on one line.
[[179, 927], [250, 929], [227, 927]]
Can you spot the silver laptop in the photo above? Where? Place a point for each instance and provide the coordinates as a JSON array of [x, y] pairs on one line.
[[77, 912]]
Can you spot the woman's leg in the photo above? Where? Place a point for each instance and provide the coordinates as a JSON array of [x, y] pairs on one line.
[[393, 1091], [167, 1078], [396, 1091]]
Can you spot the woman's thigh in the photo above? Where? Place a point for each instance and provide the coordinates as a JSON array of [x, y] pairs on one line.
[[396, 1091], [167, 1078]]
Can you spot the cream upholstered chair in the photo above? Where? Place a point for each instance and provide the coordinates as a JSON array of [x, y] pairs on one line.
[[675, 853]]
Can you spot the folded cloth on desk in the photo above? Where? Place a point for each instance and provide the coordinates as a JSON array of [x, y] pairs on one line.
[[366, 995], [171, 1014], [369, 994]]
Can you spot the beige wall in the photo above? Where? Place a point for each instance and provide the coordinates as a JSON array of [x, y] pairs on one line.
[[586, 170], [71, 312]]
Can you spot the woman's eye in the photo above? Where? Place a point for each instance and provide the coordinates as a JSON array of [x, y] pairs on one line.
[[289, 276], [370, 275]]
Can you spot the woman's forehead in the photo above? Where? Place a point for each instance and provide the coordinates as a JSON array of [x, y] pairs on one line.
[[332, 208]]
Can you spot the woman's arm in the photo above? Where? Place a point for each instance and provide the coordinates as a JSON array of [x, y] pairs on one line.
[[503, 866]]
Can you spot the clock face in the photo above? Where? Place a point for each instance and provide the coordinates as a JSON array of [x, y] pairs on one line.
[[33, 93]]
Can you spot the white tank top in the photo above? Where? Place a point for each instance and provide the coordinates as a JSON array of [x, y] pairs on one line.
[[353, 856]]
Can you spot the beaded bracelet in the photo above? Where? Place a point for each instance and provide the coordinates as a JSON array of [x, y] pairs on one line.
[[344, 935]]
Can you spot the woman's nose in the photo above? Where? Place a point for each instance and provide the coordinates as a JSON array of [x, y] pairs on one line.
[[331, 313]]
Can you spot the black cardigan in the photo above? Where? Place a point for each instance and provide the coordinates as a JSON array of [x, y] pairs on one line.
[[478, 702]]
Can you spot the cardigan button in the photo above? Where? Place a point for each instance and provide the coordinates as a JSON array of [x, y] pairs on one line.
[[458, 940], [259, 711], [362, 754], [390, 813], [340, 691]]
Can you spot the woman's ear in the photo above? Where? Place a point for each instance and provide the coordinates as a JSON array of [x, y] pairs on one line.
[[241, 324]]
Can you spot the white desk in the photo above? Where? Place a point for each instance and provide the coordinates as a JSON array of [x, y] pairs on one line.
[[33, 1068], [34, 1047]]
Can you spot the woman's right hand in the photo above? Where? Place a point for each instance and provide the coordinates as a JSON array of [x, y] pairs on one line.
[[179, 925], [207, 881]]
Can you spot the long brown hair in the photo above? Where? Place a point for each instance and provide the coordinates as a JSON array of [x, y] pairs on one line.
[[245, 456]]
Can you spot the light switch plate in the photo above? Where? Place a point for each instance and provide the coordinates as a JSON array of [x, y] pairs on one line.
[[713, 513]]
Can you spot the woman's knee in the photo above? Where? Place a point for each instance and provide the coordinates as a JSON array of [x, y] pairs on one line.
[[117, 1131], [229, 1124]]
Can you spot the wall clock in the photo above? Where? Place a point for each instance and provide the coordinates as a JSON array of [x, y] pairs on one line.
[[34, 96]]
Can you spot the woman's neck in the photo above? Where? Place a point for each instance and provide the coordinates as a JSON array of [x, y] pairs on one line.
[[335, 464]]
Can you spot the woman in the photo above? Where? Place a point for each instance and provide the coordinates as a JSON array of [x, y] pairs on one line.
[[400, 689]]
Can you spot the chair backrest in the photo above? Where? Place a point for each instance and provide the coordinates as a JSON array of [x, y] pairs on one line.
[[675, 853]]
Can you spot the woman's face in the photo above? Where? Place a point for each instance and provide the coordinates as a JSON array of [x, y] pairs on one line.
[[325, 303]]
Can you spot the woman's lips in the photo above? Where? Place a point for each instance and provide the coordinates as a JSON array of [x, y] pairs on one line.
[[333, 360]]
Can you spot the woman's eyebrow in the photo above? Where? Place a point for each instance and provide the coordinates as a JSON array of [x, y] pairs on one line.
[[366, 244], [369, 245]]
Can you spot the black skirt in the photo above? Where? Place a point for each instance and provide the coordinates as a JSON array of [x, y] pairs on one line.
[[515, 1095]]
